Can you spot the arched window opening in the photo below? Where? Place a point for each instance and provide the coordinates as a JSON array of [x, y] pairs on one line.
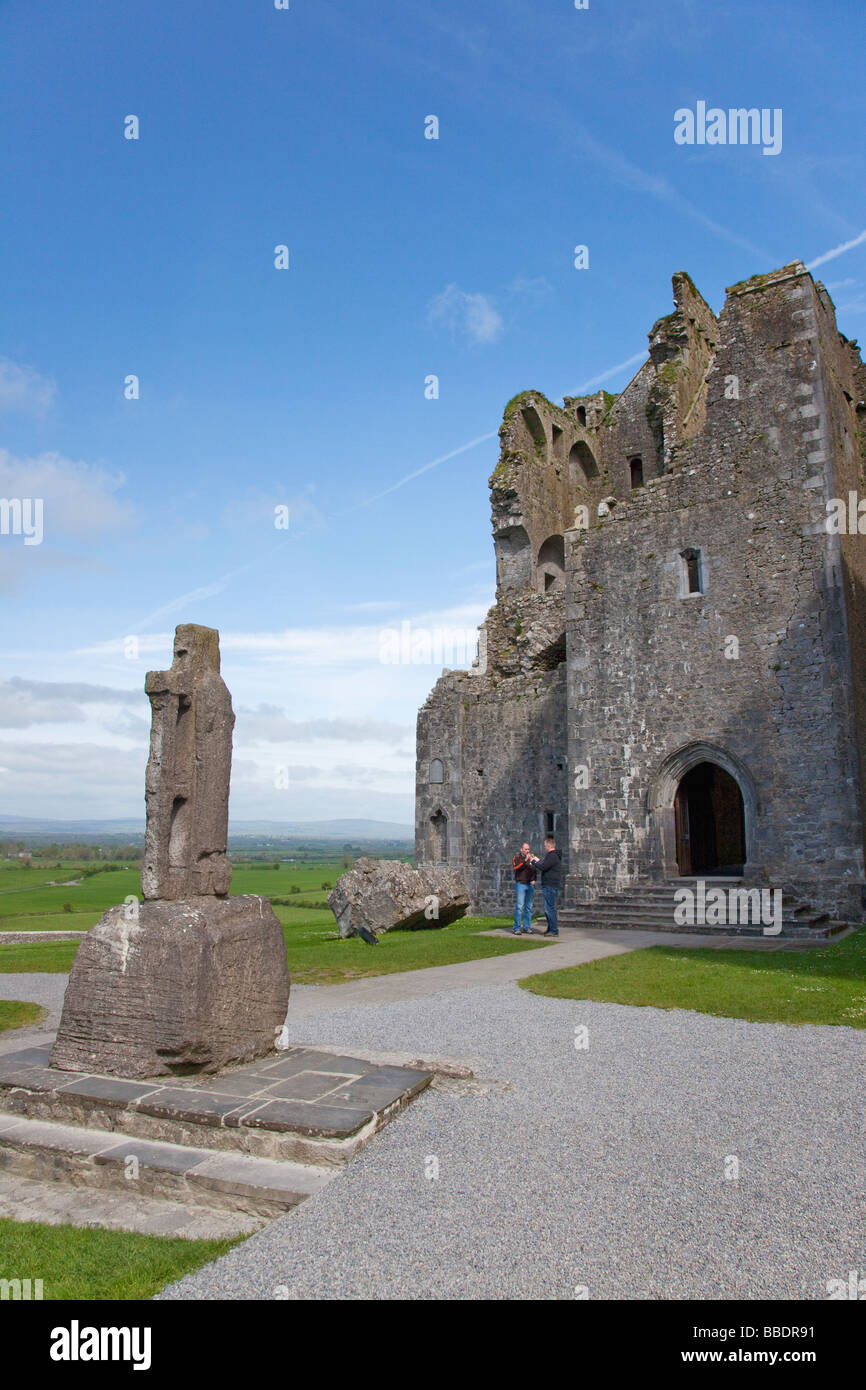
[[581, 465], [581, 415], [551, 565], [533, 422], [636, 470]]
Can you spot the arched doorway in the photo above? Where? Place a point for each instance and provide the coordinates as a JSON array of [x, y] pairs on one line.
[[710, 822]]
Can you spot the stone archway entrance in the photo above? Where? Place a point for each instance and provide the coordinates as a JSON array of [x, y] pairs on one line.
[[710, 822], [706, 823]]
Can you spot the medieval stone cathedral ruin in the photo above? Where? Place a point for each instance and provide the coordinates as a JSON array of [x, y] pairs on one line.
[[672, 678]]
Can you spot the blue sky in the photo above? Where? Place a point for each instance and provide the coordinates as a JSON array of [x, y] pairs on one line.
[[305, 387]]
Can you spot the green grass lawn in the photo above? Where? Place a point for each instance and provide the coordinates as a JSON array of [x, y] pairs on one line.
[[315, 952], [74, 1263], [15, 1014], [822, 985], [317, 956], [51, 921], [29, 903], [49, 957]]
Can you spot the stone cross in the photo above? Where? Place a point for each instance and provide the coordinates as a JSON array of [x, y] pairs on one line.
[[187, 779], [194, 978]]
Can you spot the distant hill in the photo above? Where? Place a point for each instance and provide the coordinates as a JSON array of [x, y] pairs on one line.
[[342, 830], [326, 829]]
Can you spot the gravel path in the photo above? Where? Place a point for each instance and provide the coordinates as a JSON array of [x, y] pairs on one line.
[[47, 990], [601, 1169]]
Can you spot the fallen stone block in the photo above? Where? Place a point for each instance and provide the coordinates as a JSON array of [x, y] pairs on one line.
[[382, 894]]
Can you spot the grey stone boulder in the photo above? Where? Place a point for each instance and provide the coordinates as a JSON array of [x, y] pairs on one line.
[[161, 988], [386, 893]]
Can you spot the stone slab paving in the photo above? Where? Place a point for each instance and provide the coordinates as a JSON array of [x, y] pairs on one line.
[[275, 1136], [300, 1091], [617, 1178], [29, 1146]]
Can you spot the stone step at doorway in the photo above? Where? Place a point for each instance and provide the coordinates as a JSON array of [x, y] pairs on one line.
[[650, 907], [251, 1143]]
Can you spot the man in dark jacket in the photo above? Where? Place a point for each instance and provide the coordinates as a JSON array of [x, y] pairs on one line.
[[549, 871], [523, 865]]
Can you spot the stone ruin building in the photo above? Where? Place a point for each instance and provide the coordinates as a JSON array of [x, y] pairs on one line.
[[672, 677]]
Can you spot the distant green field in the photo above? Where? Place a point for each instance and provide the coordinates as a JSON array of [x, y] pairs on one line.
[[27, 891], [53, 921], [315, 951], [28, 903], [48, 957]]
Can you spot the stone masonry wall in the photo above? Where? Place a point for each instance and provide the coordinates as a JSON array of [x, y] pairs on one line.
[[601, 680], [503, 746], [648, 673]]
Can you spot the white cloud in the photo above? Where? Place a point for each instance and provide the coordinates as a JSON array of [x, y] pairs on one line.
[[270, 724], [836, 251], [474, 315], [24, 703], [78, 498], [317, 701], [22, 388], [56, 779], [323, 647]]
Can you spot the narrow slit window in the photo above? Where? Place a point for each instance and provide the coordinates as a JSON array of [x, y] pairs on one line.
[[549, 818], [636, 471], [692, 576]]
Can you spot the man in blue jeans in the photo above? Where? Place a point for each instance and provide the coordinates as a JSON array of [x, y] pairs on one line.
[[523, 865], [549, 870]]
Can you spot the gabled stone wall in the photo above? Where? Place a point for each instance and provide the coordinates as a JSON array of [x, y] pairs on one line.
[[594, 696]]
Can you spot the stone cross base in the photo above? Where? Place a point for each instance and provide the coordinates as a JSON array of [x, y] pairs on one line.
[[167, 988]]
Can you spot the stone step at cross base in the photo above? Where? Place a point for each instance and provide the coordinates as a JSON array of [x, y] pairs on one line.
[[651, 907], [52, 1203], [239, 1148]]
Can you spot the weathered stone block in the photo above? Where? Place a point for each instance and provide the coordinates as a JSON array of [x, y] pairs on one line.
[[182, 987], [386, 893]]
